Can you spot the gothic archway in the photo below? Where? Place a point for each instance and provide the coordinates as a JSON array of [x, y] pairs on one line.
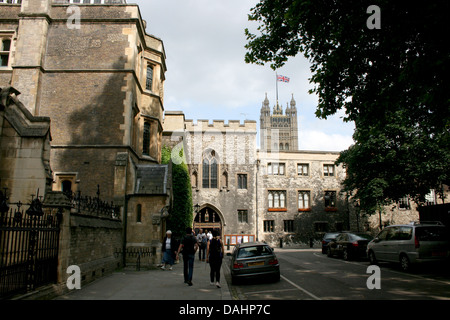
[[209, 218]]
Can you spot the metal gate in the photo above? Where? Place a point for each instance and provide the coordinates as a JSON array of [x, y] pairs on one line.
[[29, 243]]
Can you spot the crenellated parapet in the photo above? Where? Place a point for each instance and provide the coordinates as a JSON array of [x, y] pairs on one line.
[[248, 126]]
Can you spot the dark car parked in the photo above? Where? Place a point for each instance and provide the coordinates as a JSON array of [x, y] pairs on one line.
[[326, 239], [349, 245], [254, 259]]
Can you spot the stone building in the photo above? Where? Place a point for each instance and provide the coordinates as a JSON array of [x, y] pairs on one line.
[[91, 67], [278, 131], [249, 194]]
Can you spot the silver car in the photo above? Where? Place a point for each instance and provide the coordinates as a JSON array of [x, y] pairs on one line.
[[410, 244], [254, 259]]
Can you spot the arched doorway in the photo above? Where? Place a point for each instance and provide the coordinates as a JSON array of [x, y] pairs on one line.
[[208, 219]]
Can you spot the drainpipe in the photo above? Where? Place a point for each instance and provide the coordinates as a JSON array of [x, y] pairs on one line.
[[257, 214], [125, 220]]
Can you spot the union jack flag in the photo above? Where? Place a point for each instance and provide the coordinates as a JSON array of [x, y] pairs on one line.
[[282, 78]]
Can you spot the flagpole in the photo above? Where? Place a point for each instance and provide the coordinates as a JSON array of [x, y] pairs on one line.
[[276, 81]]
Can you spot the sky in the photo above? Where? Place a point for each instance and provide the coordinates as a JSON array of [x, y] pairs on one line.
[[207, 77]]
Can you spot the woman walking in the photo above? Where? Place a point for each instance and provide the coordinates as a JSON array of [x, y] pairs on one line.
[[214, 255]]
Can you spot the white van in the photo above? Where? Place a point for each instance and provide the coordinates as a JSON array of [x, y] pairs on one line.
[[410, 244]]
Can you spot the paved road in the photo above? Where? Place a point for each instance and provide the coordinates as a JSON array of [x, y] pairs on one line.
[[309, 275]]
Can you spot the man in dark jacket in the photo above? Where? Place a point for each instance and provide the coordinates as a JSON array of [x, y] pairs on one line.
[[189, 245]]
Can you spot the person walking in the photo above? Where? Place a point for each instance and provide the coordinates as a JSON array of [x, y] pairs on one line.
[[202, 241], [189, 245], [169, 248], [214, 255]]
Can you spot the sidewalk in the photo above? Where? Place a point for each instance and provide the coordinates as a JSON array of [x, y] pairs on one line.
[[154, 285]]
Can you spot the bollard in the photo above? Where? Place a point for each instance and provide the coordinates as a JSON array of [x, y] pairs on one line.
[[281, 242]]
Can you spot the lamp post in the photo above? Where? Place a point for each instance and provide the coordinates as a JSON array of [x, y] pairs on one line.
[[197, 208]]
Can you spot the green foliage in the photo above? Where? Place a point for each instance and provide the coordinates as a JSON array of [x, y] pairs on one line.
[[392, 82], [181, 214]]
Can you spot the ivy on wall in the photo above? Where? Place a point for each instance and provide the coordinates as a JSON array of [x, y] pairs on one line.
[[181, 213]]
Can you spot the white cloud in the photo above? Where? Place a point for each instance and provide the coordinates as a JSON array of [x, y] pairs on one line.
[[319, 140]]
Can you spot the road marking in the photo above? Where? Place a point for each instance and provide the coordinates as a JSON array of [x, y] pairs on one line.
[[301, 289], [270, 291]]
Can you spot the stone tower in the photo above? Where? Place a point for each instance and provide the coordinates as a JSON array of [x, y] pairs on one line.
[[279, 132]]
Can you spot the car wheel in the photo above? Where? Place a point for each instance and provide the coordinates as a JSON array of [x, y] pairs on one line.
[[405, 264], [346, 255], [329, 254], [372, 258]]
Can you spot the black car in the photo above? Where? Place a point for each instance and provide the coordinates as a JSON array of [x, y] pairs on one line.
[[349, 245], [326, 239]]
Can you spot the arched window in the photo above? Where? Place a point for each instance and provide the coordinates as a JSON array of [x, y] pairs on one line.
[[270, 200], [286, 146], [210, 170], [282, 200], [276, 200]]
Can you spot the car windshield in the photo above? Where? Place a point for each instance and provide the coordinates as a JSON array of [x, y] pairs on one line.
[[431, 233], [255, 251]]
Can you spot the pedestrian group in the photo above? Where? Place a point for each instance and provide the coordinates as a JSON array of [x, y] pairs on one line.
[[210, 249]]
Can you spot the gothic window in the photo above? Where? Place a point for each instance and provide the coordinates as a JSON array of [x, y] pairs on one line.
[[303, 199], [146, 139], [281, 146], [275, 168], [149, 80], [303, 169], [286, 146], [210, 169], [5, 47], [243, 216], [328, 170], [277, 199], [242, 181]]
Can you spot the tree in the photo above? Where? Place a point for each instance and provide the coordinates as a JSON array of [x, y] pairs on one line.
[[392, 82], [181, 215]]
